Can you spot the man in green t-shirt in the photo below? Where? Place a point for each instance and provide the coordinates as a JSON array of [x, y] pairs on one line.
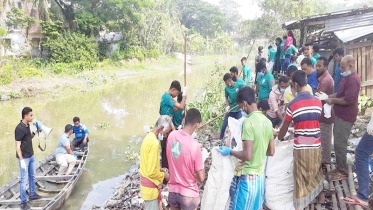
[[308, 50], [265, 81], [179, 113], [316, 55], [167, 106], [246, 70], [234, 74], [247, 188], [168, 102], [271, 54], [231, 91]]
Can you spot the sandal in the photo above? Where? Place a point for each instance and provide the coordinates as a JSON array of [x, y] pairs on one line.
[[337, 176], [355, 201]]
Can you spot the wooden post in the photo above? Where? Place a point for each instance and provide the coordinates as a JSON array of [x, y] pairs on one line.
[[185, 42]]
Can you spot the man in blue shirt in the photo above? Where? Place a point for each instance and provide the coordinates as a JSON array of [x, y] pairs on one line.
[[64, 155], [307, 67], [336, 74], [81, 134]]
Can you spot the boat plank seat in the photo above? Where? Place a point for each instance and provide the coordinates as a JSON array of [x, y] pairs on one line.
[[16, 201], [54, 177], [55, 162]]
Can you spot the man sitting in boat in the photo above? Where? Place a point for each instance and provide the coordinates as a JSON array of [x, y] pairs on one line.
[[81, 134], [64, 155]]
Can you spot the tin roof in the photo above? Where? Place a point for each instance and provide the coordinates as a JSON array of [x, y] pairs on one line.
[[353, 34], [323, 18]]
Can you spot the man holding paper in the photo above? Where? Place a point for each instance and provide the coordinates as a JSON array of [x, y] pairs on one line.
[[326, 85]]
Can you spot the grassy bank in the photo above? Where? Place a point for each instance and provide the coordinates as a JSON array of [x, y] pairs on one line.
[[30, 78]]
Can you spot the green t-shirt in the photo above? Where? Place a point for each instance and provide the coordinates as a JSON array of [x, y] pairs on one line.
[[231, 93], [272, 54], [265, 86], [257, 128], [313, 61], [316, 56], [178, 117], [291, 50], [240, 81], [247, 73], [167, 105]]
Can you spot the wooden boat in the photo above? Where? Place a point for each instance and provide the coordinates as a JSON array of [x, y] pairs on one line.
[[54, 189]]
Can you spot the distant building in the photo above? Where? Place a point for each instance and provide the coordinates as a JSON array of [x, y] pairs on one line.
[[15, 41], [111, 39]]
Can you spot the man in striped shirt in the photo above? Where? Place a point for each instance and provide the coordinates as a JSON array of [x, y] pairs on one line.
[[305, 112]]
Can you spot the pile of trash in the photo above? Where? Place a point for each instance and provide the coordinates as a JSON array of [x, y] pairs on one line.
[[128, 196], [214, 190]]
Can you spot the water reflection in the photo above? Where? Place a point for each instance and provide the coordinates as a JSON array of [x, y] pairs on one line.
[[130, 107]]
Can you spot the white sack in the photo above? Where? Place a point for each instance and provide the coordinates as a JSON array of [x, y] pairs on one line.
[[216, 192], [279, 184]]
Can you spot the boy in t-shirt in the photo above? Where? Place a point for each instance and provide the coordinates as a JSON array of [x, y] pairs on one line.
[[179, 114], [185, 163], [247, 188], [232, 109]]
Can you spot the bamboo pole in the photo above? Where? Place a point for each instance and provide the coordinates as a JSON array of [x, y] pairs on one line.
[[212, 120], [185, 43]]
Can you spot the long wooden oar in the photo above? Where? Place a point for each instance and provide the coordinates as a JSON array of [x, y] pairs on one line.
[[212, 120]]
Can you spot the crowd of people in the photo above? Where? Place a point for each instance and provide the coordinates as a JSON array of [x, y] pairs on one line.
[[295, 90], [315, 98]]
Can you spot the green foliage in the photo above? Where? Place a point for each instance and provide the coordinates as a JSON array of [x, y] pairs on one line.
[[30, 72], [52, 29], [103, 125], [213, 101], [131, 154], [17, 18], [203, 17], [6, 74], [2, 32], [74, 48], [276, 13], [59, 68], [364, 103]]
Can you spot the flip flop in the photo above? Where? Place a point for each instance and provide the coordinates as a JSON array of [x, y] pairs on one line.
[[354, 201]]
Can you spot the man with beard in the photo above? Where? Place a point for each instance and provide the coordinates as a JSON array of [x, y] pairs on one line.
[[234, 74], [326, 85]]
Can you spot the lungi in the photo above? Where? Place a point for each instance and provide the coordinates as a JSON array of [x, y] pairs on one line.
[[307, 176], [247, 192]]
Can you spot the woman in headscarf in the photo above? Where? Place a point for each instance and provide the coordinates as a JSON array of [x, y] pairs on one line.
[[289, 50], [290, 33]]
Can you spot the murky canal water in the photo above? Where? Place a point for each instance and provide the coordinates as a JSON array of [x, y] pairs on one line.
[[127, 106]]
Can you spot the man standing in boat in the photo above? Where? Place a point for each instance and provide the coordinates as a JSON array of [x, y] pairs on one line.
[[26, 159], [81, 134], [64, 155], [152, 175], [168, 103]]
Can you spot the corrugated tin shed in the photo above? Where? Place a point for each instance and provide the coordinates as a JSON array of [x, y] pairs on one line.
[[352, 34], [321, 19], [348, 22]]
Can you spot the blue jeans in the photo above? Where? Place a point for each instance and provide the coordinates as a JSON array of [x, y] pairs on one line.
[[362, 152], [27, 175], [236, 115]]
